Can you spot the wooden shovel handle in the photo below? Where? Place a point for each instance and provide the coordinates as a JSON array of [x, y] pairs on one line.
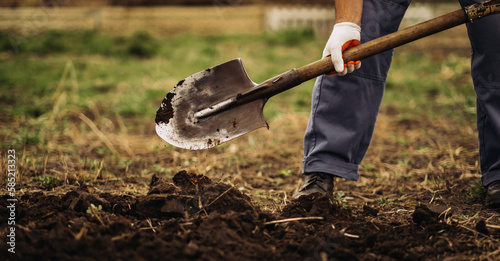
[[385, 43], [295, 77]]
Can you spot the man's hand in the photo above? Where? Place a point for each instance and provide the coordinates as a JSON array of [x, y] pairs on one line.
[[344, 36]]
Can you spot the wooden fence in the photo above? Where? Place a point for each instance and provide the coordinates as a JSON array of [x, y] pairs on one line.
[[161, 21], [165, 21]]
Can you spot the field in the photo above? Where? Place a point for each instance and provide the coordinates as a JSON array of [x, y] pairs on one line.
[[94, 182]]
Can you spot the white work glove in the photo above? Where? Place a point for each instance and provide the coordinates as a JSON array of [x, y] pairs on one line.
[[344, 35]]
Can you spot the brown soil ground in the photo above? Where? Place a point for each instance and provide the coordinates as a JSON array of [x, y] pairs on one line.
[[194, 218], [429, 215]]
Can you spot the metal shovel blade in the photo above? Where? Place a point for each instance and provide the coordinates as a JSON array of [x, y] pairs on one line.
[[178, 121]]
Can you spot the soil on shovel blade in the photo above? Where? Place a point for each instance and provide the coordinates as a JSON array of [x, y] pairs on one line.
[[192, 217]]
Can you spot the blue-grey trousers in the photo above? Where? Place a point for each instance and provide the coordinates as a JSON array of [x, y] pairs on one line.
[[345, 108]]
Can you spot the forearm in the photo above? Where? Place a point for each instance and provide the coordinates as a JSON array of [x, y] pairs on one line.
[[348, 11]]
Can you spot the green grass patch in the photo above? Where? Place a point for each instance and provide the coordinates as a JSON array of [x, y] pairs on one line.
[[418, 84], [476, 191]]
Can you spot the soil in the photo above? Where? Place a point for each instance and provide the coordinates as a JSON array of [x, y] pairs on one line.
[[191, 217]]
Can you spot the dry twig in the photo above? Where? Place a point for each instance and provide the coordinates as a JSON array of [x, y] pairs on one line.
[[96, 215], [99, 133], [292, 219]]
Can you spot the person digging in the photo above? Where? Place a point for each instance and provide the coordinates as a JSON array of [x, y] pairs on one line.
[[345, 105]]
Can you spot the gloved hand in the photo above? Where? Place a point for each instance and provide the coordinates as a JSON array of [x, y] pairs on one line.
[[344, 35]]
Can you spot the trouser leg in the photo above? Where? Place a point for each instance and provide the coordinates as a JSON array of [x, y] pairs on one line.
[[484, 35], [345, 108]]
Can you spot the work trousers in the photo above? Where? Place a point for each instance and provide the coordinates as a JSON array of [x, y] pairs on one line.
[[345, 108]]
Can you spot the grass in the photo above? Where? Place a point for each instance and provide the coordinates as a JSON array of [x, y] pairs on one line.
[[145, 68], [45, 180], [142, 69], [421, 84], [476, 191]]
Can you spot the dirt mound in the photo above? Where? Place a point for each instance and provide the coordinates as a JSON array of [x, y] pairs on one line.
[[190, 194], [194, 218]]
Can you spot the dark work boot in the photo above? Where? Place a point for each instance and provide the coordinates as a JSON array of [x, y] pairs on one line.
[[493, 195], [316, 182]]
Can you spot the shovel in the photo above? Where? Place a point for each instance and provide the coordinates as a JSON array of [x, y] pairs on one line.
[[222, 103]]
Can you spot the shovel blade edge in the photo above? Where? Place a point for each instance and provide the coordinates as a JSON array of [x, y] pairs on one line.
[[175, 120]]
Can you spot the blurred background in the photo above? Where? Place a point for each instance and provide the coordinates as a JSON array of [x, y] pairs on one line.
[[164, 18]]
